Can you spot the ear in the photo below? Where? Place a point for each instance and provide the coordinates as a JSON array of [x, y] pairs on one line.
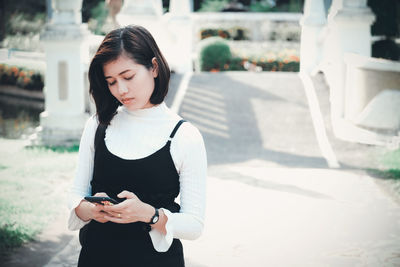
[[155, 67]]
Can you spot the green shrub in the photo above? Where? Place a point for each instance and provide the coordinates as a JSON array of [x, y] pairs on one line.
[[385, 12], [26, 24], [30, 9], [387, 49], [87, 7], [98, 18], [291, 6], [236, 63], [213, 5], [262, 6], [22, 32], [215, 54], [385, 24]]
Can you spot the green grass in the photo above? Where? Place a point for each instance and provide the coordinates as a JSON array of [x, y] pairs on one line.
[[58, 149], [33, 184], [393, 174], [388, 170], [391, 160]]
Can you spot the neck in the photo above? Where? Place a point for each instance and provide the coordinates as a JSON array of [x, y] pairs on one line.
[[153, 111]]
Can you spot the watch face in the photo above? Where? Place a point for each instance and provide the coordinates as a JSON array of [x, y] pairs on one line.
[[155, 219]]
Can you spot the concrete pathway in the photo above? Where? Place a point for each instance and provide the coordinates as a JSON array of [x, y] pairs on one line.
[[272, 200]]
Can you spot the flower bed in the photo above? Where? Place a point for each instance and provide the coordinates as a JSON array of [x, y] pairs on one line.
[[234, 33], [260, 64], [290, 63], [21, 77], [239, 58]]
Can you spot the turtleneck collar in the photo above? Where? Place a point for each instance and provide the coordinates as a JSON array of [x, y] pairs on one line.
[[155, 111]]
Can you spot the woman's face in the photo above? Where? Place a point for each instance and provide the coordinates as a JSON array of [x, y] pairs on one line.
[[131, 83]]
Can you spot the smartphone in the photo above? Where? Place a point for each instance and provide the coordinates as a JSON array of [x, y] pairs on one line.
[[102, 200]]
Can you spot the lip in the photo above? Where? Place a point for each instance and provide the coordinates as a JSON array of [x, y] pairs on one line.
[[127, 100]]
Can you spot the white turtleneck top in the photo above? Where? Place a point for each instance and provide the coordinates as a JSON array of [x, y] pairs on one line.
[[138, 134]]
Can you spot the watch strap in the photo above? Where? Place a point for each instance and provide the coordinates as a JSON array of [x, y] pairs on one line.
[[155, 217]]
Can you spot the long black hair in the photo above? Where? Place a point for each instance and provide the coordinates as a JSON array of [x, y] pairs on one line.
[[138, 44]]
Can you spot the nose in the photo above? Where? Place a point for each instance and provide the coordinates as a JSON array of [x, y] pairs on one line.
[[122, 88]]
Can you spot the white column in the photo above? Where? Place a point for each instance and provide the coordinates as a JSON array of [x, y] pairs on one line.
[[312, 22], [141, 12], [146, 13], [180, 7], [62, 122], [180, 28], [172, 31], [349, 27]]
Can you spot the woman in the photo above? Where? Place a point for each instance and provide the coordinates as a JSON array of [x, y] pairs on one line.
[[140, 153]]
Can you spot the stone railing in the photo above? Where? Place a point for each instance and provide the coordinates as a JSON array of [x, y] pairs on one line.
[[372, 89], [258, 26]]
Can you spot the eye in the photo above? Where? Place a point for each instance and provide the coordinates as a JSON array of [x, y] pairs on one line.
[[112, 83], [129, 78]]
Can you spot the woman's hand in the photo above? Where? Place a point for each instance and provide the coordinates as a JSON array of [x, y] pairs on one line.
[[130, 210], [91, 211]]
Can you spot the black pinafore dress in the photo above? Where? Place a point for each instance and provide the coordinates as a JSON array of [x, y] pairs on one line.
[[155, 181]]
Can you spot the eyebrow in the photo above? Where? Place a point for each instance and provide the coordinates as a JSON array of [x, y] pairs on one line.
[[108, 77]]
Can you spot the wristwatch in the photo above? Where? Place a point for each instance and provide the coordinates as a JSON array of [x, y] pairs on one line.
[[155, 217]]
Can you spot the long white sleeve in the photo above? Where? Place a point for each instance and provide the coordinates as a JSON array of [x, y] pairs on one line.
[[188, 223], [81, 185], [133, 135]]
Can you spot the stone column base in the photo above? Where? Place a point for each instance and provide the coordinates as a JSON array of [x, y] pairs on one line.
[[59, 130]]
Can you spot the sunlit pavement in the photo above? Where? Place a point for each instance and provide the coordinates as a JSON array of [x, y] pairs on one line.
[[262, 216], [272, 200]]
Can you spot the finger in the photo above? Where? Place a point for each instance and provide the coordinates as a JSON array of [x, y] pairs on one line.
[[101, 220], [126, 194], [101, 214], [116, 214], [120, 207], [114, 219], [115, 208], [97, 208], [112, 214]]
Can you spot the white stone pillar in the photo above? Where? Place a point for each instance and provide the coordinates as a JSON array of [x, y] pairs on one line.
[[172, 32], [146, 13], [180, 27], [181, 7], [312, 22], [349, 27], [62, 122]]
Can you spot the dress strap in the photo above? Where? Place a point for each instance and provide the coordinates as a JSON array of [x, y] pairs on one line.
[[176, 129], [99, 135]]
